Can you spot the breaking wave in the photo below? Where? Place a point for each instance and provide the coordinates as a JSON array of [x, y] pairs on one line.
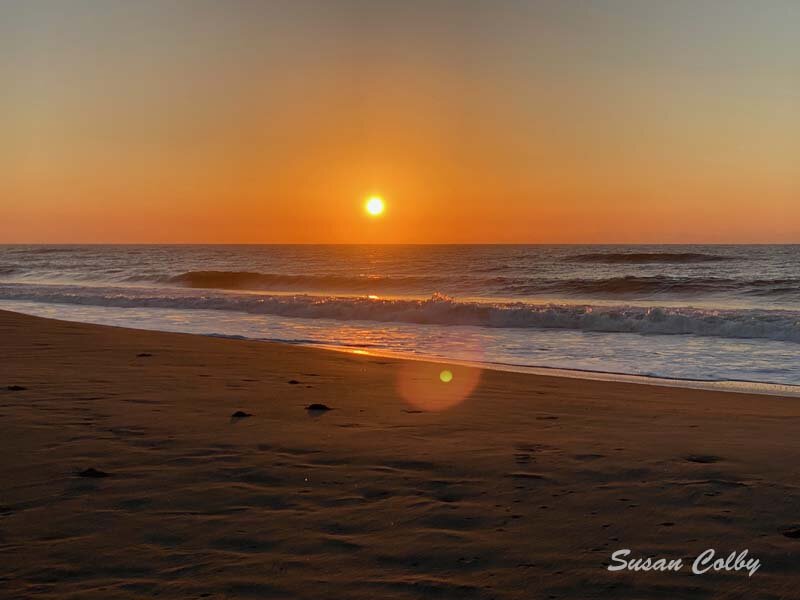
[[439, 310]]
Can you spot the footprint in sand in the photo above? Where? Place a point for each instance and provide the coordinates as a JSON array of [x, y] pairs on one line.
[[702, 458], [522, 458], [584, 457], [93, 473], [525, 475]]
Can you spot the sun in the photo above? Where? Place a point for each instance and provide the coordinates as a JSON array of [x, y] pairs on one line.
[[374, 205]]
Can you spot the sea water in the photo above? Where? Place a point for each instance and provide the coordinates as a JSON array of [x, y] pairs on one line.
[[705, 313]]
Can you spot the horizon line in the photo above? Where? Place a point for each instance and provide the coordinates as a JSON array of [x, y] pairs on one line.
[[399, 243]]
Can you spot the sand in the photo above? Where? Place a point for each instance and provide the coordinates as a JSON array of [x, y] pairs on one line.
[[521, 490]]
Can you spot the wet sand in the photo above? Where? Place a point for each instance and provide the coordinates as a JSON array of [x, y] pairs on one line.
[[125, 474]]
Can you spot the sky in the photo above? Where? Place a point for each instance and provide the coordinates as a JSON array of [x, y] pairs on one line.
[[499, 121]]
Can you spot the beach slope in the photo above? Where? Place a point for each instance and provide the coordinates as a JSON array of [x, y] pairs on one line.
[[125, 474]]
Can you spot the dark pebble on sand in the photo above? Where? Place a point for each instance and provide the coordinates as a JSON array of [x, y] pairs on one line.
[[16, 388], [240, 414], [318, 407], [793, 533], [95, 473]]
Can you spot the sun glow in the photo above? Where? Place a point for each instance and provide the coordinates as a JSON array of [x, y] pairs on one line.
[[374, 206]]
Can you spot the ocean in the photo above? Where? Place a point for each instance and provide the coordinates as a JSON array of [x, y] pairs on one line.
[[686, 313]]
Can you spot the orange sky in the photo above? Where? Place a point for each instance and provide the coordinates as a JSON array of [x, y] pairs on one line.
[[611, 121]]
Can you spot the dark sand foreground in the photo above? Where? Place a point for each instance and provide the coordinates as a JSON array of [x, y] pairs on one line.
[[521, 491]]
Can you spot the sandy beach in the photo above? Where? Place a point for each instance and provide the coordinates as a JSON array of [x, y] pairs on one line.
[[124, 475]]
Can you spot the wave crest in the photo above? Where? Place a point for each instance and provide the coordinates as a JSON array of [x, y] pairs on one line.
[[248, 280], [630, 286]]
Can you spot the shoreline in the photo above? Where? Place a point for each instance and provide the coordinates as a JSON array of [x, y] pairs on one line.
[[726, 385], [485, 484], [731, 386]]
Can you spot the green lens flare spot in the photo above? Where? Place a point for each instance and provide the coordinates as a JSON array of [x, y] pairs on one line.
[[446, 376]]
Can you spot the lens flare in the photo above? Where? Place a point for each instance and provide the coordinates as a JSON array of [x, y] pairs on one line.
[[426, 386]]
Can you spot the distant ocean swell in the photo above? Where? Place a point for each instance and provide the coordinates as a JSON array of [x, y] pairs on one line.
[[599, 256], [639, 258], [473, 284], [439, 310]]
